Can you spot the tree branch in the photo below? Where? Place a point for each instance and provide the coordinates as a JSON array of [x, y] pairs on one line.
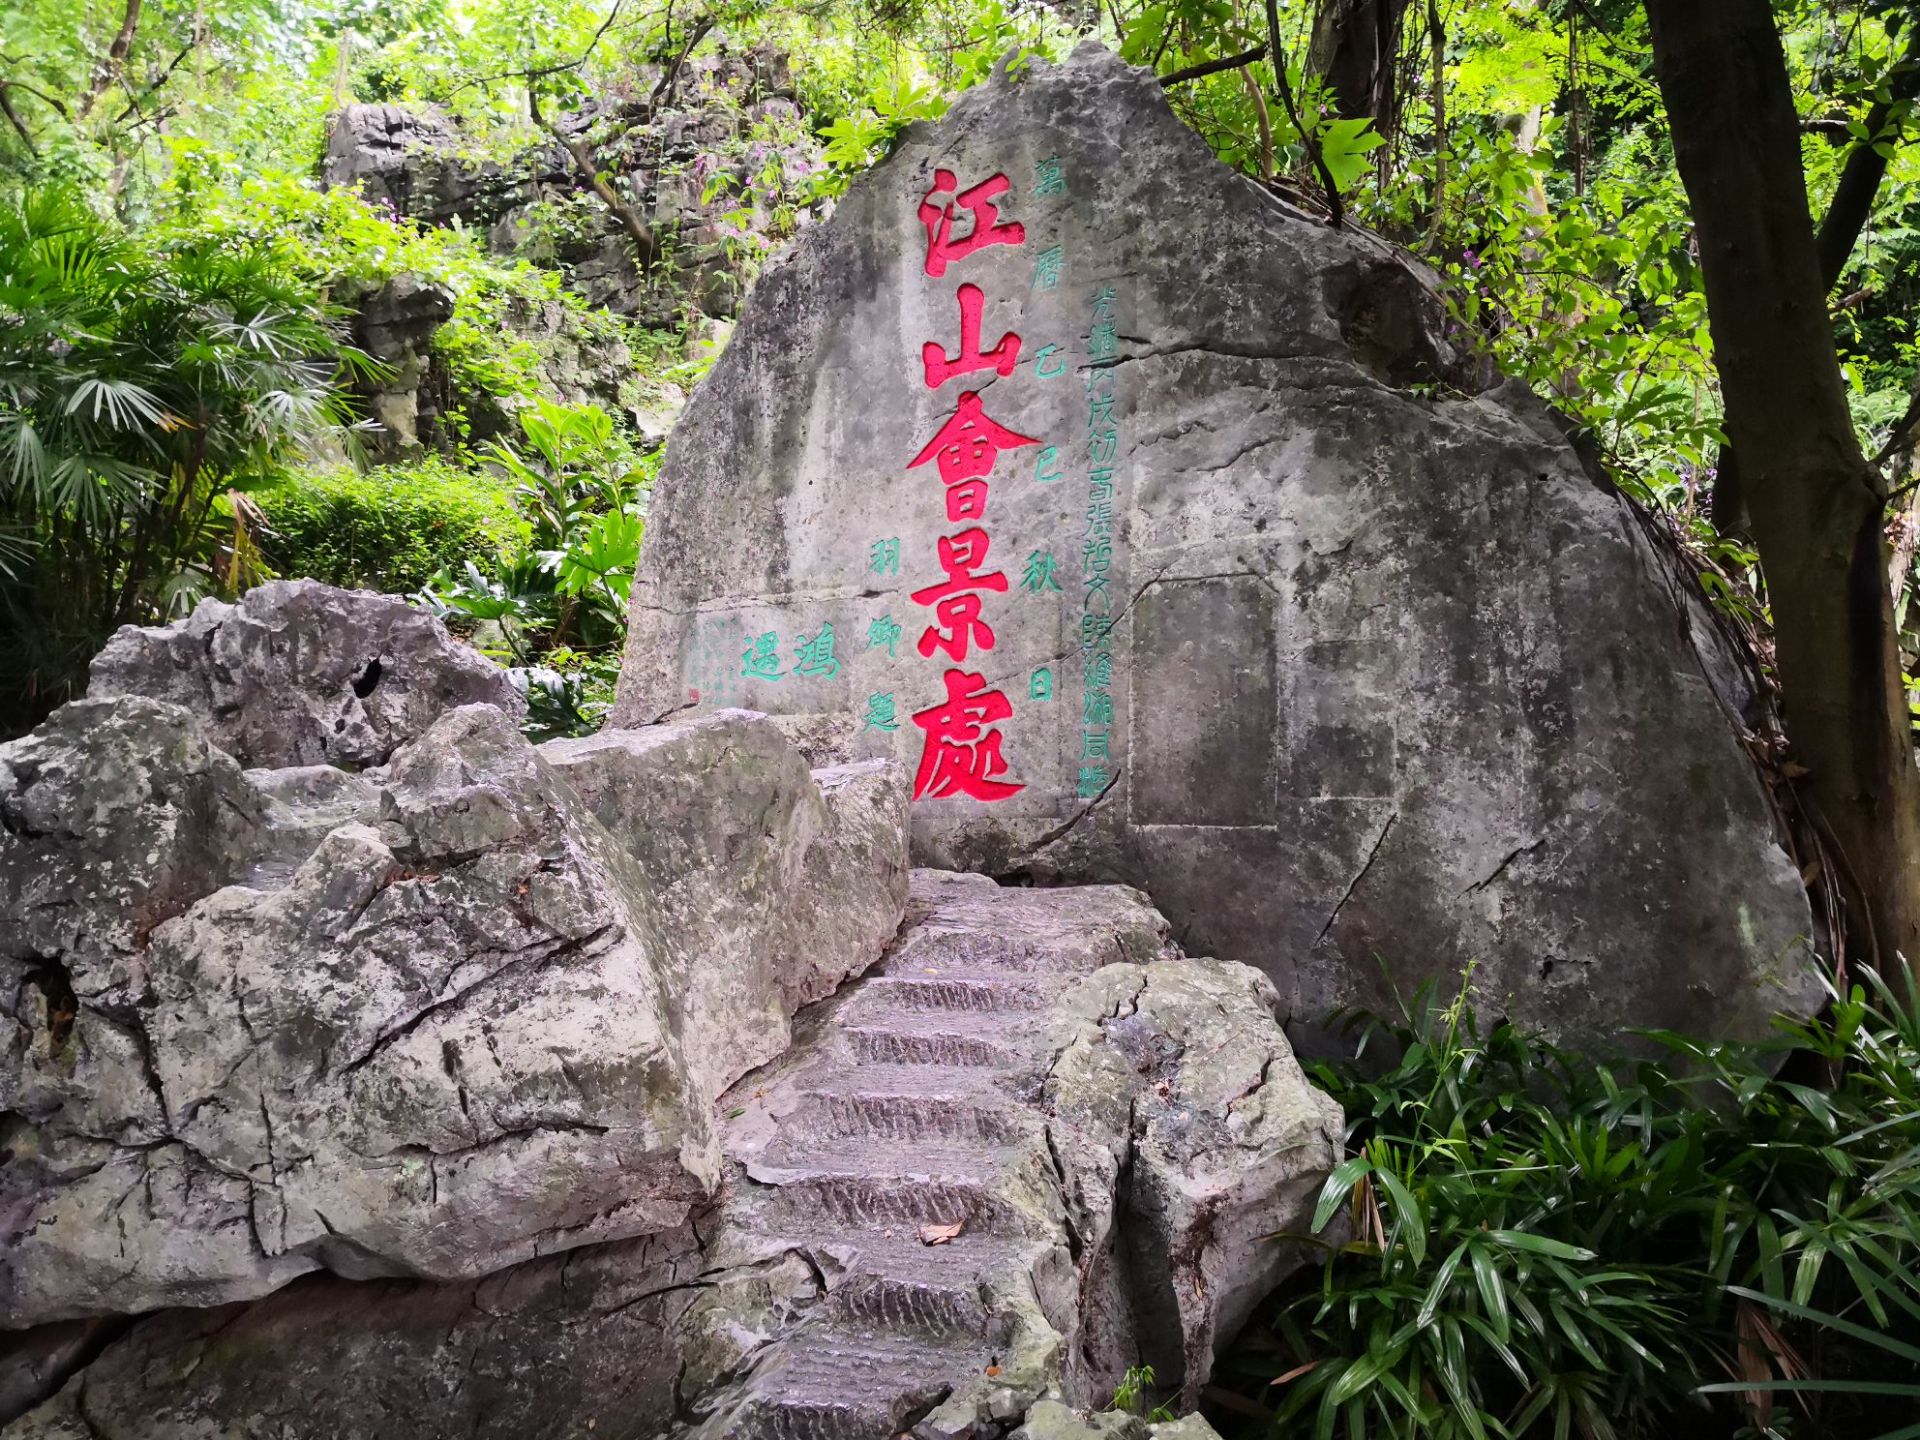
[[583, 161], [540, 72], [1860, 178], [115, 61], [1335, 211], [1214, 66], [58, 105], [13, 119], [135, 102], [662, 96]]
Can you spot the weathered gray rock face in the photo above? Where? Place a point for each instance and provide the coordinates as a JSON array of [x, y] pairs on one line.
[[395, 322], [1244, 601], [301, 673], [982, 1081], [433, 1018], [442, 1044], [1187, 1137], [564, 1346], [758, 918]]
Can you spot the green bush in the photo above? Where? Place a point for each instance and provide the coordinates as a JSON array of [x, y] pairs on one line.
[[143, 387], [387, 529], [1540, 1244]]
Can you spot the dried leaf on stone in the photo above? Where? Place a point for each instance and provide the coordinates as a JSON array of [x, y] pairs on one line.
[[941, 1234]]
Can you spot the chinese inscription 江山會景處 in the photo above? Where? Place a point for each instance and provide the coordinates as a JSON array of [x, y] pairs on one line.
[[961, 754]]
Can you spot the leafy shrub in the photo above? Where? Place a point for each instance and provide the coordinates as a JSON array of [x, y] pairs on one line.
[[389, 529], [1540, 1244], [553, 607], [334, 236], [143, 390]]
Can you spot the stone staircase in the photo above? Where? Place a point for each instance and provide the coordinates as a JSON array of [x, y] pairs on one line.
[[906, 1108]]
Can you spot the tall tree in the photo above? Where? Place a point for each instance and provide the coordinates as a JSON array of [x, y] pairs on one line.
[[1355, 44], [1816, 503]]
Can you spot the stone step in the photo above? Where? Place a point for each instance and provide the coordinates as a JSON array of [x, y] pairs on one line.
[[881, 1202], [859, 1111], [945, 1306], [838, 1074], [836, 1382], [971, 994], [795, 1155], [946, 1046], [937, 951]]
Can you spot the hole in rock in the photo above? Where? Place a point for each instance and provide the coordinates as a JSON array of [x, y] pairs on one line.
[[369, 678], [63, 1007]]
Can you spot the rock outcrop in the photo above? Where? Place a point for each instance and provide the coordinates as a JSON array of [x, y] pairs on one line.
[[1163, 533], [689, 151], [914, 1237], [301, 673], [431, 1017]]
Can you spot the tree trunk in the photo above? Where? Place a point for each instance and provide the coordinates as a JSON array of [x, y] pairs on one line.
[[1816, 503], [1353, 50]]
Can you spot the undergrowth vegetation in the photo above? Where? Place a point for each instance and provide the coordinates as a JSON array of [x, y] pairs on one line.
[[1525, 1242], [552, 604]]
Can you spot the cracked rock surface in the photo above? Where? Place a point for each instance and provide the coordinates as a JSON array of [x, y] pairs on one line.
[[1019, 1071], [1356, 658], [301, 673], [430, 1018]]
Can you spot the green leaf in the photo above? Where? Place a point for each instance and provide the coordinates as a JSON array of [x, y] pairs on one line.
[[1538, 1245], [1493, 1293], [1344, 146]]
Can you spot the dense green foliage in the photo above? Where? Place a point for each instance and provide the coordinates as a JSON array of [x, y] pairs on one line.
[[1532, 168], [142, 392], [391, 528], [1540, 1243], [553, 603]]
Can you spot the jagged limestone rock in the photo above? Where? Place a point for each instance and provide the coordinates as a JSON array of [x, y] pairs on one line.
[[301, 673], [433, 1018], [1050, 1420], [1187, 1137], [1285, 616], [565, 1346], [900, 1246], [1187, 1427], [442, 1044], [756, 920]]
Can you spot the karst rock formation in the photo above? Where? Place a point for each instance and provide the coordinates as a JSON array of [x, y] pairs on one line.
[[1162, 533], [1080, 563], [368, 1070]]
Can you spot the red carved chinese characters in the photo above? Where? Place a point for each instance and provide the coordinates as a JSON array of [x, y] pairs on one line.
[[936, 213], [1002, 358], [962, 756], [956, 605], [967, 445]]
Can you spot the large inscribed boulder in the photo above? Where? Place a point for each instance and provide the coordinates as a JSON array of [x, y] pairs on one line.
[[1161, 533]]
